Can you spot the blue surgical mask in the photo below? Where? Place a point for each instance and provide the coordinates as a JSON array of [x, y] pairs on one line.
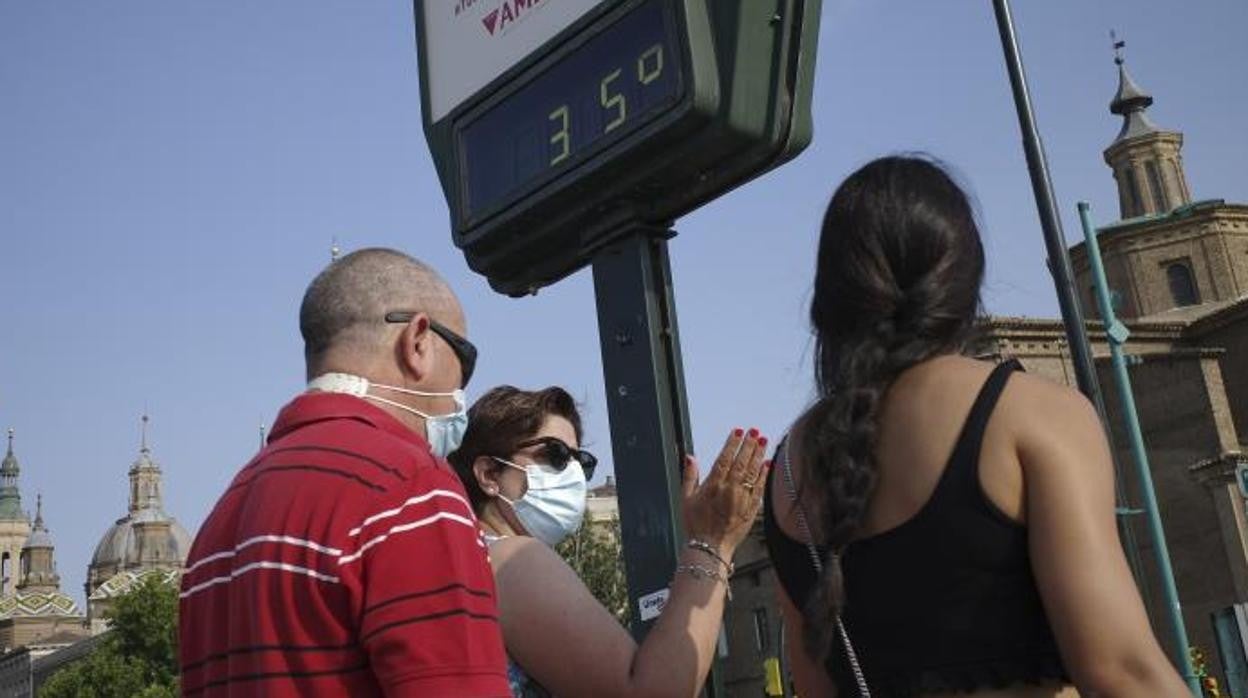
[[554, 505], [444, 432]]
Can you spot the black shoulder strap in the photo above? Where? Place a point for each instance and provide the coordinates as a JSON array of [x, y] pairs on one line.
[[964, 460]]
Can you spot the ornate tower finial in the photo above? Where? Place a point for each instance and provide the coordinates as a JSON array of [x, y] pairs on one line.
[[334, 250], [38, 569], [145, 476], [10, 496], [262, 435], [1145, 158], [1130, 100]]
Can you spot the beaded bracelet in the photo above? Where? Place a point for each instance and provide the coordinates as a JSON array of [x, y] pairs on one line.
[[700, 572], [709, 550]]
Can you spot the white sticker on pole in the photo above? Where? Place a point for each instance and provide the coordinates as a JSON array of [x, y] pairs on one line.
[[651, 605], [471, 42]]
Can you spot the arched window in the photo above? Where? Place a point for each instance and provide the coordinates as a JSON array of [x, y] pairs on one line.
[[1182, 285], [1133, 188], [1154, 183], [1176, 175]]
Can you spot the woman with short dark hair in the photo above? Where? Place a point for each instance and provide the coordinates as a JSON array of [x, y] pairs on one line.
[[939, 525], [525, 472]]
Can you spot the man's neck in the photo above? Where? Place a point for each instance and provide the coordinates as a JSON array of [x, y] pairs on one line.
[[408, 419]]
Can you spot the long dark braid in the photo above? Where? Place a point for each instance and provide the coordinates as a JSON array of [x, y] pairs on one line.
[[899, 270]]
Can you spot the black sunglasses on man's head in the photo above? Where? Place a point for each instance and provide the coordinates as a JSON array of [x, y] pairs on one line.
[[557, 454], [464, 350]]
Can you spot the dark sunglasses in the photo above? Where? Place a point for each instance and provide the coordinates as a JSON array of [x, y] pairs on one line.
[[557, 454], [464, 350]]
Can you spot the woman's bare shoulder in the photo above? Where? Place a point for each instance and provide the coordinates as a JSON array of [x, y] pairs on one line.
[[518, 553], [1030, 396]]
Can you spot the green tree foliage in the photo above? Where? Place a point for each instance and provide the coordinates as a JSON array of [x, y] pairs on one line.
[[596, 555], [145, 623], [138, 658]]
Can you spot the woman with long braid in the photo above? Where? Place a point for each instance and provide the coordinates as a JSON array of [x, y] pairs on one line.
[[942, 526]]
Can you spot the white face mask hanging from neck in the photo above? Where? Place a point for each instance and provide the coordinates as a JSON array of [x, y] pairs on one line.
[[444, 432]]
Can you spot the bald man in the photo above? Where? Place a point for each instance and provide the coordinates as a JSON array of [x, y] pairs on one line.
[[344, 559]]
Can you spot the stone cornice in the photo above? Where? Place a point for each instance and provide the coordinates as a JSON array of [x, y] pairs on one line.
[[1181, 353], [1218, 319], [998, 325], [1219, 470], [1200, 211]]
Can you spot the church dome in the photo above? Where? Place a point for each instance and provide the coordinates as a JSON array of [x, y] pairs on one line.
[[40, 537], [119, 546], [147, 536]]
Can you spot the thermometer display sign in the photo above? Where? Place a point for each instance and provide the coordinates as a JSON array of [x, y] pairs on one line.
[[598, 94], [559, 126]]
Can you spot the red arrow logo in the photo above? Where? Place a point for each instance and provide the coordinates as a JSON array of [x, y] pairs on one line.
[[490, 21]]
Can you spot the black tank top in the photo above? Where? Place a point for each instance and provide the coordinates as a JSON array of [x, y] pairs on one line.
[[946, 601]]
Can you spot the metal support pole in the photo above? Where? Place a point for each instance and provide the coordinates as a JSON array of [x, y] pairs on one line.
[[649, 417], [1059, 260], [1050, 222], [1117, 335]]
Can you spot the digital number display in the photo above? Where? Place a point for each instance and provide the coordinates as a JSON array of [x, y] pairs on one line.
[[605, 89]]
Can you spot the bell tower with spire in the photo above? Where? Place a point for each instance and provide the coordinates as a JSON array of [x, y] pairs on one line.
[[37, 610], [38, 557], [145, 477], [14, 523], [1167, 256], [1146, 159]]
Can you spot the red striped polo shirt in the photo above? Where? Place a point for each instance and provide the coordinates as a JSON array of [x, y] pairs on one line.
[[343, 560]]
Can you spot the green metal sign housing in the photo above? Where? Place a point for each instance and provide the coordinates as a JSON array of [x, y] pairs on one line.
[[635, 113]]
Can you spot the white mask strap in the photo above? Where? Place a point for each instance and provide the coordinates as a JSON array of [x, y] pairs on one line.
[[457, 394], [358, 386], [508, 463], [401, 406]]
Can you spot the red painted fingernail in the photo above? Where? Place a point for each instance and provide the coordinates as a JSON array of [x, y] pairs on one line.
[[737, 432], [762, 441], [753, 432]]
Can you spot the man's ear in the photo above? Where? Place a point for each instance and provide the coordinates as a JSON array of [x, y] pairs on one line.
[[415, 350]]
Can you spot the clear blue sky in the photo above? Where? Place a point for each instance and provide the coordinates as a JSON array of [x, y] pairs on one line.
[[172, 175]]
